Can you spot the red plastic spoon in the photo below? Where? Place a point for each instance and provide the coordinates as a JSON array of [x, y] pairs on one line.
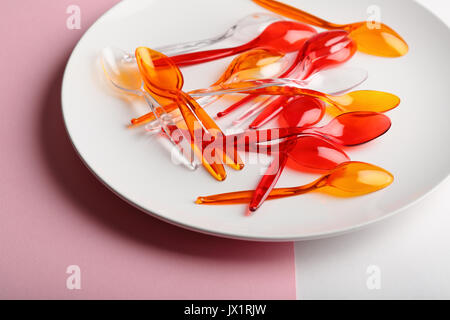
[[348, 129], [322, 51], [283, 36]]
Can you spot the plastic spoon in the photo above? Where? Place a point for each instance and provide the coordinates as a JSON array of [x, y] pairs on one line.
[[124, 76], [165, 80], [351, 178], [248, 27], [283, 36], [363, 100], [256, 64], [375, 39]]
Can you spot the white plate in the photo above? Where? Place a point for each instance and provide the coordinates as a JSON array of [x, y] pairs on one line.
[[137, 167]]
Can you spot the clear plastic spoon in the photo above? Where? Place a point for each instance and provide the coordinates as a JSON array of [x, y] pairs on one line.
[[245, 29], [362, 100]]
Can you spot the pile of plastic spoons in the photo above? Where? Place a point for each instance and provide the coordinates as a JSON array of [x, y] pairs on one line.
[[289, 73]]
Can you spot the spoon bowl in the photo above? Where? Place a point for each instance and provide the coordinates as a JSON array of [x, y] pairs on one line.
[[302, 111], [253, 64], [162, 78], [354, 128], [121, 70], [380, 40], [362, 100], [316, 153]]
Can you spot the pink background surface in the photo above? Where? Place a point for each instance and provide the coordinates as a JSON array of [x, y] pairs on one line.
[[54, 213]]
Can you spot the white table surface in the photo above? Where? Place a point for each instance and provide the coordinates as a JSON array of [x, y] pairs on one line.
[[404, 257]]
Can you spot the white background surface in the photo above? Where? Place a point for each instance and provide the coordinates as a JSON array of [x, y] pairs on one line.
[[411, 250]]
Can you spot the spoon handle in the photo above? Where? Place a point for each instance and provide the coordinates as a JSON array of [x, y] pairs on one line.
[[271, 177], [242, 197], [230, 157], [181, 48], [149, 117], [237, 105], [259, 136], [189, 59], [251, 111], [296, 14]]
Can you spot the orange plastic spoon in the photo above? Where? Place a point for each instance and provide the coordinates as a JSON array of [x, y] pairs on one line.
[[362, 100], [350, 178], [378, 39]]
